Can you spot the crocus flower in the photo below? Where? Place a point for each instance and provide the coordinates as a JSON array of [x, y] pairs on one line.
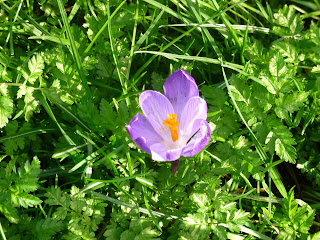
[[174, 124]]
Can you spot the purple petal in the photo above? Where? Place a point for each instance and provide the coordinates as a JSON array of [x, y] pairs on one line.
[[156, 108], [159, 152], [199, 140], [179, 88], [195, 109], [142, 133]]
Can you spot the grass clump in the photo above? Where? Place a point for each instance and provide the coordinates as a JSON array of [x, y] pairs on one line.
[[70, 76]]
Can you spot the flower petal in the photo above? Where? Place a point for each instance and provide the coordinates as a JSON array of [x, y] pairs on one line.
[[179, 88], [195, 109], [199, 140], [156, 108], [142, 133], [159, 152]]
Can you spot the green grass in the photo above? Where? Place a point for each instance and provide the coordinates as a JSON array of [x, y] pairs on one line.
[[70, 77]]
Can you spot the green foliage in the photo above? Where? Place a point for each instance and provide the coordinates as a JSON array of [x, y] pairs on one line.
[[83, 215], [35, 69], [16, 185], [6, 105], [139, 228], [13, 143], [294, 220], [36, 228], [70, 76], [287, 22]]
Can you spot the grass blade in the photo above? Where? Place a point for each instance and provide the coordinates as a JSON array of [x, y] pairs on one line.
[[102, 29], [140, 209], [115, 57], [141, 69], [74, 50], [49, 111], [273, 173], [147, 33], [206, 32], [52, 39], [27, 133], [113, 167]]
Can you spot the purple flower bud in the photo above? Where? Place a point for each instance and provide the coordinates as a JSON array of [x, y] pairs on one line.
[[173, 124]]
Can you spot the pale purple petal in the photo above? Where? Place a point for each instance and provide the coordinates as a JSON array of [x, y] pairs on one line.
[[160, 152], [156, 108], [195, 109], [179, 88], [142, 133], [199, 141], [181, 98], [173, 154]]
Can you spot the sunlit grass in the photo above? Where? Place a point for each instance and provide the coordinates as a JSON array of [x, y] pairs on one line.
[[70, 77]]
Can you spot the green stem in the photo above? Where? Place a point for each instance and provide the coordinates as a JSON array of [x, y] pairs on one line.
[[2, 232]]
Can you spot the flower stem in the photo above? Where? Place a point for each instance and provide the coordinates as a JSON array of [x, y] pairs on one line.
[[174, 166]]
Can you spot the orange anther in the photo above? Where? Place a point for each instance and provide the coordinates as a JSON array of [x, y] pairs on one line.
[[172, 123]]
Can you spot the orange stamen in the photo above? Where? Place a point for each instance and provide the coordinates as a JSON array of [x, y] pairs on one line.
[[172, 123]]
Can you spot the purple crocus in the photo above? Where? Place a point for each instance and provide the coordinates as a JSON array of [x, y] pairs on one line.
[[174, 124]]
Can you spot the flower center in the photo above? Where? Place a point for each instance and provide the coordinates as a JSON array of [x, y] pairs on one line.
[[172, 123]]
